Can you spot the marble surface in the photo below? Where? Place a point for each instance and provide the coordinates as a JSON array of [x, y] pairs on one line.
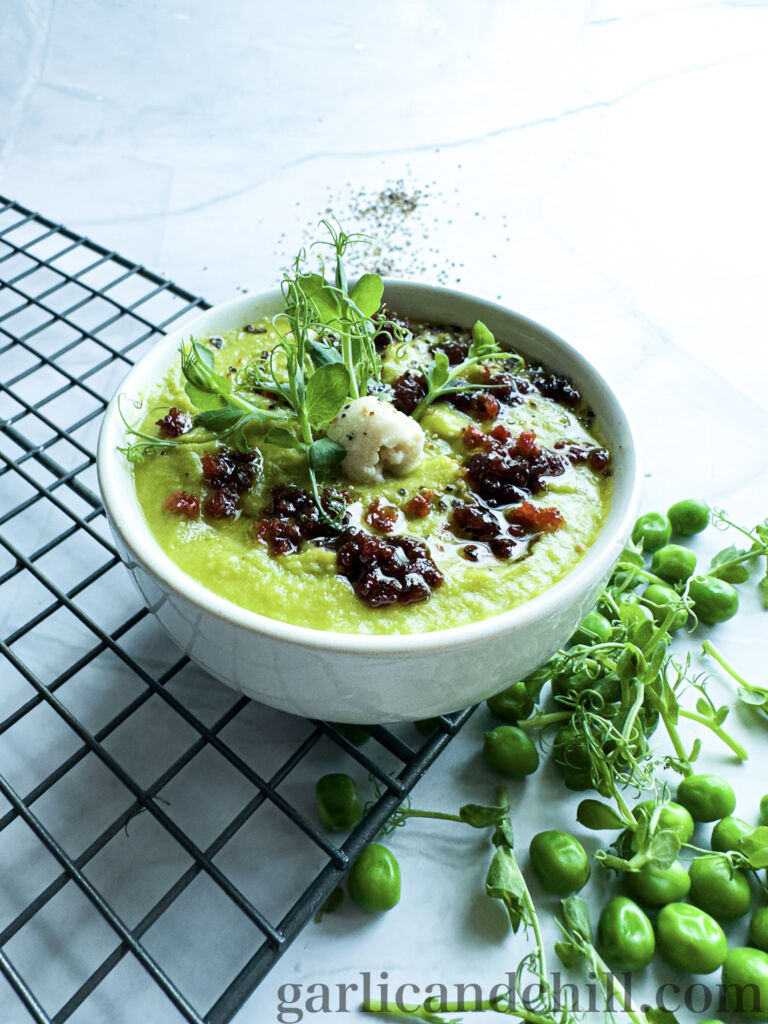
[[599, 166]]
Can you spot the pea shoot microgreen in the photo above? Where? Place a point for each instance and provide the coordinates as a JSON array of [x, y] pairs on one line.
[[443, 379]]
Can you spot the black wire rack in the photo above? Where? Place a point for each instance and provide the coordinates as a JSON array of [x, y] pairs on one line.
[[188, 905]]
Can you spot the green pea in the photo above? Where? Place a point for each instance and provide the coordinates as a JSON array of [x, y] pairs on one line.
[[658, 886], [512, 704], [714, 600], [745, 982], [374, 879], [707, 797], [652, 530], [689, 939], [571, 758], [719, 889], [597, 817], [594, 629], [689, 517], [338, 804], [559, 861], [758, 929], [674, 563], [509, 751], [625, 938], [764, 810], [728, 832], [660, 599], [672, 818], [354, 734]]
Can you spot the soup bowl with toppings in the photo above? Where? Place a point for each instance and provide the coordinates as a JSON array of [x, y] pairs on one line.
[[409, 514]]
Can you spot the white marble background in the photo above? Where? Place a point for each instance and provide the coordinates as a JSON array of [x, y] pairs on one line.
[[600, 166]]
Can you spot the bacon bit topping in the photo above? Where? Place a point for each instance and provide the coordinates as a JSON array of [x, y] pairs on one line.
[[174, 423], [420, 504], [480, 405], [183, 503], [381, 517], [384, 572], [292, 517], [479, 523], [503, 472], [555, 386], [598, 459], [505, 386], [455, 349], [229, 470], [535, 518], [409, 389], [229, 474]]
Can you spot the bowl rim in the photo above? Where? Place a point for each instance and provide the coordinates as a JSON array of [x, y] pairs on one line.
[[113, 472]]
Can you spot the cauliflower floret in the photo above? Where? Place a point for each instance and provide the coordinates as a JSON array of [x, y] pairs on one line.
[[376, 437]]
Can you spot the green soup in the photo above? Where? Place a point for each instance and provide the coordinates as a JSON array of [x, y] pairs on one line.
[[230, 557]]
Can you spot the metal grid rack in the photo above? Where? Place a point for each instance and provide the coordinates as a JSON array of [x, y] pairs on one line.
[[188, 905]]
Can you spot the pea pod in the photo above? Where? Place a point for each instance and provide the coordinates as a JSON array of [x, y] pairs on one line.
[[625, 938], [689, 939]]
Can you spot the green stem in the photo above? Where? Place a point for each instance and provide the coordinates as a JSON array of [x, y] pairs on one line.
[[612, 987], [540, 721], [411, 813], [530, 1016], [710, 649], [721, 734]]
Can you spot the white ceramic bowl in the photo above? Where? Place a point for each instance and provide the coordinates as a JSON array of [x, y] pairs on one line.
[[367, 679]]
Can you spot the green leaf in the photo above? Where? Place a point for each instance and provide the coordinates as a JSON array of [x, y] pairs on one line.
[[482, 817], [203, 354], [721, 566], [655, 1015], [504, 882], [203, 399], [223, 418], [282, 438], [325, 454], [327, 391], [568, 954], [321, 297], [367, 294], [594, 815], [504, 834], [576, 917], [238, 440], [762, 588], [323, 354], [438, 374], [755, 846], [483, 342], [663, 849]]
